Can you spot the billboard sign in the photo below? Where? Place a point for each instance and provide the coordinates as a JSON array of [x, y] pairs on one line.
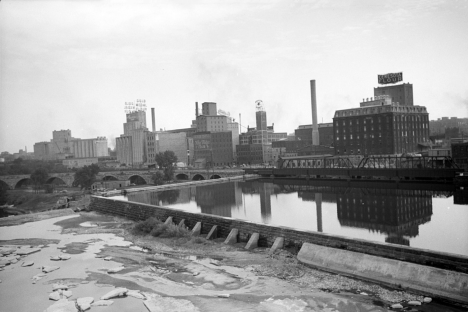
[[390, 78], [202, 142]]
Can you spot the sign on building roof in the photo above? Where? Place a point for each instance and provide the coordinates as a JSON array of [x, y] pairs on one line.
[[390, 78]]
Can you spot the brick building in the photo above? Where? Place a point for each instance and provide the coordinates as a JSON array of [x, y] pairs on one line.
[[382, 125], [215, 148], [304, 133], [460, 153]]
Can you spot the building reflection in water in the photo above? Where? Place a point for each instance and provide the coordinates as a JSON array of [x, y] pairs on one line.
[[318, 198], [393, 212], [163, 198], [218, 199]]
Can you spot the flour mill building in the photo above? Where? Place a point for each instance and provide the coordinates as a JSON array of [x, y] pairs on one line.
[[389, 123]]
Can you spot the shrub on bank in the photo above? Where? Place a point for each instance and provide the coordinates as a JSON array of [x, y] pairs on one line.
[[145, 227], [157, 228]]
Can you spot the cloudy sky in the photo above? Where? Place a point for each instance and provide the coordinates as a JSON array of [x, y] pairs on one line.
[[73, 64]]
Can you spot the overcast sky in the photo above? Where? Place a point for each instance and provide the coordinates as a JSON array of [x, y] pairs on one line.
[[73, 64]]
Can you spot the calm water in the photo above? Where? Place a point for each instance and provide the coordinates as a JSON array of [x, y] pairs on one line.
[[423, 216]]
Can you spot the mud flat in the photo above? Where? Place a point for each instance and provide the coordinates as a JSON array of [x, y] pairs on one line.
[[90, 261]]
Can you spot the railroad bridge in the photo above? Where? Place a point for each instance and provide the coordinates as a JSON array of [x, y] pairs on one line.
[[138, 177], [353, 167]]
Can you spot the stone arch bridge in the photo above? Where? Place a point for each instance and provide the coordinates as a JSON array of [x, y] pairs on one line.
[[135, 177]]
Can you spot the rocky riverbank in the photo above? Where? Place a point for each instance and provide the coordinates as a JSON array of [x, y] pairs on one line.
[[86, 261]]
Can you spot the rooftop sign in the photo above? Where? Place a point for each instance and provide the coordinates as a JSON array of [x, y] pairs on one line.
[[390, 78]]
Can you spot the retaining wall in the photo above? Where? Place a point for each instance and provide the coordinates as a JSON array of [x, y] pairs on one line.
[[268, 233], [427, 280]]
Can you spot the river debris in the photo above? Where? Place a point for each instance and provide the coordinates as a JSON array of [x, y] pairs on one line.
[[48, 269], [118, 292], [84, 303], [104, 303], [115, 270]]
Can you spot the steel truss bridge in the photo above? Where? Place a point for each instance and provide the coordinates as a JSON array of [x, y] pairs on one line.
[[356, 167]]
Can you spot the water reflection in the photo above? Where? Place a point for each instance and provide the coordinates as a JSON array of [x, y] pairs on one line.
[[164, 198], [218, 199], [396, 213], [388, 212]]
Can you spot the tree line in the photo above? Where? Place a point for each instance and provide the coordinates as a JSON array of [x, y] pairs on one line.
[[28, 166]]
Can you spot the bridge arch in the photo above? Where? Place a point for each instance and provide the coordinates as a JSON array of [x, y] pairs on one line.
[[137, 180], [110, 178], [198, 177], [23, 183], [4, 185], [215, 176], [182, 176], [55, 181]]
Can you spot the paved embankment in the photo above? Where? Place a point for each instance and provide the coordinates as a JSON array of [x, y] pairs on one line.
[[183, 184], [394, 273]]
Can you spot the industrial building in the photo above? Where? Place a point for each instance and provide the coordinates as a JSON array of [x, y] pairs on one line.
[[459, 149], [255, 145], [178, 142], [213, 149], [215, 138], [325, 130], [383, 124], [64, 146], [131, 145]]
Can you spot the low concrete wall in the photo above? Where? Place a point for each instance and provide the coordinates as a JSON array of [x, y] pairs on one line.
[[268, 233], [427, 280], [181, 184]]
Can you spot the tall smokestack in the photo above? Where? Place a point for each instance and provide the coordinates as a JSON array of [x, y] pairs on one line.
[[153, 119], [196, 110], [240, 123], [315, 133]]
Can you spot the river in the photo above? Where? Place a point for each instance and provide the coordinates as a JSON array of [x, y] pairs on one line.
[[428, 216]]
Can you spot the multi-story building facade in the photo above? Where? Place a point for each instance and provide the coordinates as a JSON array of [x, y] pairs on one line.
[[402, 94], [304, 133], [131, 146], [215, 137], [439, 126], [255, 145], [214, 147], [382, 125], [216, 123], [460, 152]]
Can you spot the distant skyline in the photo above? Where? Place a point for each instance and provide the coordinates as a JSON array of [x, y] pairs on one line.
[[73, 64]]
